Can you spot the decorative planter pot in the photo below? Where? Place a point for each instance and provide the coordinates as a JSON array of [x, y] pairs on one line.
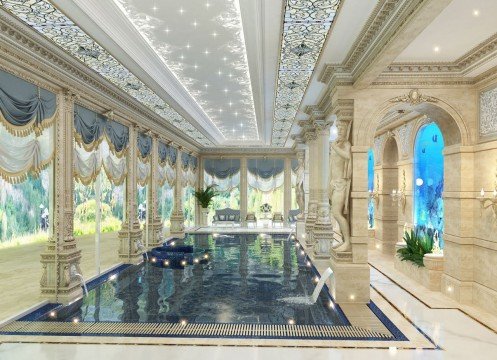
[[204, 217]]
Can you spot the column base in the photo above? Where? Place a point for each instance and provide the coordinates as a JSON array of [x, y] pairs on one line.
[[323, 240], [57, 283], [349, 282], [177, 225], [129, 236], [155, 233], [300, 230]]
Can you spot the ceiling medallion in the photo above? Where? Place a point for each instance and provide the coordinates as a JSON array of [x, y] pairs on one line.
[[42, 16], [305, 28]]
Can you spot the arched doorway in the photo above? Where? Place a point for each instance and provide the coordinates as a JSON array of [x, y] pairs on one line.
[[428, 179]]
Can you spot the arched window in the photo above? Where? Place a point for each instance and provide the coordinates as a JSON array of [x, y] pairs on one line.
[[429, 179], [370, 188]]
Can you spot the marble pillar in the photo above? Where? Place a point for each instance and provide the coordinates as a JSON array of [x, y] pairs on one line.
[[130, 233], [323, 229], [243, 190], [155, 225], [177, 216], [61, 257], [310, 220]]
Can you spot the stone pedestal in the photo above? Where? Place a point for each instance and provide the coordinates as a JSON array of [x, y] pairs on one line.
[[129, 236], [350, 281], [57, 282], [155, 229], [300, 230], [177, 224]]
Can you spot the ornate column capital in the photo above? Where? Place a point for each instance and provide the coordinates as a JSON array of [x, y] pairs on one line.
[[343, 109]]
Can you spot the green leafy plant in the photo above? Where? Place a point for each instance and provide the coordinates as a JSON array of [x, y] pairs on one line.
[[417, 245], [205, 196]]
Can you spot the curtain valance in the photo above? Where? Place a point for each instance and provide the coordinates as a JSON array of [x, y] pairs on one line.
[[222, 168], [144, 145], [90, 129], [25, 107], [143, 172], [167, 154], [265, 174], [266, 168], [23, 156], [295, 164], [188, 160]]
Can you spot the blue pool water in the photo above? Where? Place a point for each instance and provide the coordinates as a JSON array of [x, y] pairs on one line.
[[244, 281]]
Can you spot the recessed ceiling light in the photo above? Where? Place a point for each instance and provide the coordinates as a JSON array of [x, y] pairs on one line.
[[476, 12], [226, 90], [207, 4], [206, 85], [188, 46], [225, 58], [181, 11], [214, 34], [206, 52], [195, 66], [230, 103], [182, 57], [219, 73], [436, 48], [195, 23], [155, 8], [166, 30]]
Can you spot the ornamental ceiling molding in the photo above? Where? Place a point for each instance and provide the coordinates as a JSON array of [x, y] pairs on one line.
[[47, 20], [476, 57], [387, 18], [36, 59], [305, 29], [228, 152]]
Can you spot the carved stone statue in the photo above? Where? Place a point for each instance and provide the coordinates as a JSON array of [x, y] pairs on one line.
[[299, 186], [340, 179]]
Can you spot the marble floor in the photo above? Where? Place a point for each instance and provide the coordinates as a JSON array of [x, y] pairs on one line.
[[20, 270]]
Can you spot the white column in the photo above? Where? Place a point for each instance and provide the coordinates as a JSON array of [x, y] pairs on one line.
[[60, 259], [287, 201], [323, 229], [177, 216], [243, 190], [130, 233], [154, 223]]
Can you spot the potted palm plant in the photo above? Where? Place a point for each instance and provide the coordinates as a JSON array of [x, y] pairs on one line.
[[204, 198]]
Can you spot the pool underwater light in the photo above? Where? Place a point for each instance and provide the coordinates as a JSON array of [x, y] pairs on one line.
[[75, 320], [183, 322], [166, 262], [183, 263], [53, 314], [195, 261], [113, 277], [291, 322], [153, 259]]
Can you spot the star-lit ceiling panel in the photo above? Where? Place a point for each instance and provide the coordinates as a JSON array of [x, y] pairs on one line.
[[49, 21], [202, 43], [305, 28]]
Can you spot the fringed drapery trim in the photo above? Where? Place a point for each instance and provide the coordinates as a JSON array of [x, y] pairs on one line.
[[96, 143], [20, 176], [29, 128]]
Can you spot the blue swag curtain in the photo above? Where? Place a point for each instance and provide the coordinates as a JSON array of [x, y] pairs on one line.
[[91, 128], [266, 174], [167, 160], [144, 145], [225, 173], [25, 107]]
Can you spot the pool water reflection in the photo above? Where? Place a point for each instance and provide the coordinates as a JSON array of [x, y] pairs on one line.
[[243, 282]]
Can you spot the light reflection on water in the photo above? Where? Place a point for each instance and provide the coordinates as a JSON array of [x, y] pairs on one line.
[[243, 283]]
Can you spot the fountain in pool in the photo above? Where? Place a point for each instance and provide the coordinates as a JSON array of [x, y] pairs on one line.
[[310, 300], [74, 272]]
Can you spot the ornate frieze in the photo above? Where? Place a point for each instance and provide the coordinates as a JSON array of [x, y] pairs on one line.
[[305, 28], [488, 112], [413, 98]]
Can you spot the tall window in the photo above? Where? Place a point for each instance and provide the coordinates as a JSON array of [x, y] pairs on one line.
[[27, 113], [225, 175], [429, 179], [370, 188], [265, 185]]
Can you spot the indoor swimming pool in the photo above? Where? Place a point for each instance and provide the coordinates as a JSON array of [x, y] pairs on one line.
[[210, 285]]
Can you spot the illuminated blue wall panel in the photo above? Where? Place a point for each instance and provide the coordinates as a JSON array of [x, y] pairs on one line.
[[429, 179], [370, 188]]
